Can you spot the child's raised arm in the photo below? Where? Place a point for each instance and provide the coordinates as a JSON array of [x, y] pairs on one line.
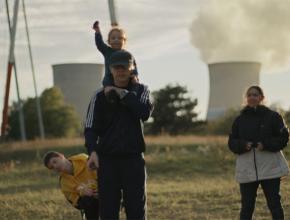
[[96, 27], [102, 47]]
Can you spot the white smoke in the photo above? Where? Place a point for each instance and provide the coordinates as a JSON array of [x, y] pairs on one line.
[[244, 30]]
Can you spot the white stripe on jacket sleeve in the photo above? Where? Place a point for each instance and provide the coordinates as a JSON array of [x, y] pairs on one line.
[[90, 113]]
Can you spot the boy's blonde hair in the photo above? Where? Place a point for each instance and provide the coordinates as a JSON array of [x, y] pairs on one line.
[[117, 29]]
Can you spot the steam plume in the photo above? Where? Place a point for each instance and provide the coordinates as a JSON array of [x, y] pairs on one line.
[[243, 30]]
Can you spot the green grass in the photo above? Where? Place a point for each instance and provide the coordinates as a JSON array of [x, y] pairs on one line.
[[185, 181]]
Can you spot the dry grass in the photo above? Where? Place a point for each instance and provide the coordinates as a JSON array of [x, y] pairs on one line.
[[150, 140], [185, 140], [189, 177], [39, 144]]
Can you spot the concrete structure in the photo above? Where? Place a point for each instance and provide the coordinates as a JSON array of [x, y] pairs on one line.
[[228, 83], [78, 81]]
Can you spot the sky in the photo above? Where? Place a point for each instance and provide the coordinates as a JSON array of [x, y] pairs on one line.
[[159, 36]]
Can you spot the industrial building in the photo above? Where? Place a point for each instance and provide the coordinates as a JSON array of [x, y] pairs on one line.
[[78, 82], [228, 83]]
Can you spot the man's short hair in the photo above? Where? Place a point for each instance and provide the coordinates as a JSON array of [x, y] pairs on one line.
[[50, 155]]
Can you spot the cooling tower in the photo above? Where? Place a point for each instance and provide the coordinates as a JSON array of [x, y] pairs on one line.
[[78, 81], [228, 83]]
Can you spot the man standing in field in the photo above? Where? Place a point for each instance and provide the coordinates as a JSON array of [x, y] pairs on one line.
[[115, 141]]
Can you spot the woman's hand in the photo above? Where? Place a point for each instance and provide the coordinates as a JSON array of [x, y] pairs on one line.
[[260, 146], [249, 146]]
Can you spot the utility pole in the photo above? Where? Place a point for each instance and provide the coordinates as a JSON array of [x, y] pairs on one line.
[[19, 103], [4, 125], [113, 14]]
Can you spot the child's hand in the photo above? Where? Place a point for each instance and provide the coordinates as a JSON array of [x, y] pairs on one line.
[[96, 26], [115, 24], [134, 79], [108, 89]]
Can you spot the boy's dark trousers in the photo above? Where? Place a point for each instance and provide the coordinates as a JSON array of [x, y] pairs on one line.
[[90, 206], [271, 188], [122, 177]]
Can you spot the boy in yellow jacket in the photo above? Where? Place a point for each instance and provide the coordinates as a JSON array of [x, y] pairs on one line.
[[77, 182]]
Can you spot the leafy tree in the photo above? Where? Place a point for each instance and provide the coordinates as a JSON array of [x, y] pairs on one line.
[[173, 111], [59, 118]]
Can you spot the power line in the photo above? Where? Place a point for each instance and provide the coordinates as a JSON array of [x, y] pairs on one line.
[[38, 106]]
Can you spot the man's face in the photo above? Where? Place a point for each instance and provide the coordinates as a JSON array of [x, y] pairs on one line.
[[121, 74], [57, 164]]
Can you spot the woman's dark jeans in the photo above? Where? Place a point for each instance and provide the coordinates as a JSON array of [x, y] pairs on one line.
[[271, 188]]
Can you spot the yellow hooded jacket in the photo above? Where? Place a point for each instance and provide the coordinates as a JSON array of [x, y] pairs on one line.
[[82, 177]]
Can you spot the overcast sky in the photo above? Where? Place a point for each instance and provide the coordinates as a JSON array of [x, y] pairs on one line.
[[158, 36]]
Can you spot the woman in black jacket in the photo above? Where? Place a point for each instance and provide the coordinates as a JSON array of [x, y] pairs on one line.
[[258, 135]]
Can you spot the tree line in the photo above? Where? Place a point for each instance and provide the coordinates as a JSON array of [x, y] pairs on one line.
[[174, 113], [59, 118]]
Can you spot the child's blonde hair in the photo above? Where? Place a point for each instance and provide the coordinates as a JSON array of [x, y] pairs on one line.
[[117, 29]]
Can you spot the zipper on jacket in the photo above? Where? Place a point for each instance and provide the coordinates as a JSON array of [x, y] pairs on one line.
[[254, 150]]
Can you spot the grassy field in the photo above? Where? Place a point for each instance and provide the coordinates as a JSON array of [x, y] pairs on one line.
[[188, 178]]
